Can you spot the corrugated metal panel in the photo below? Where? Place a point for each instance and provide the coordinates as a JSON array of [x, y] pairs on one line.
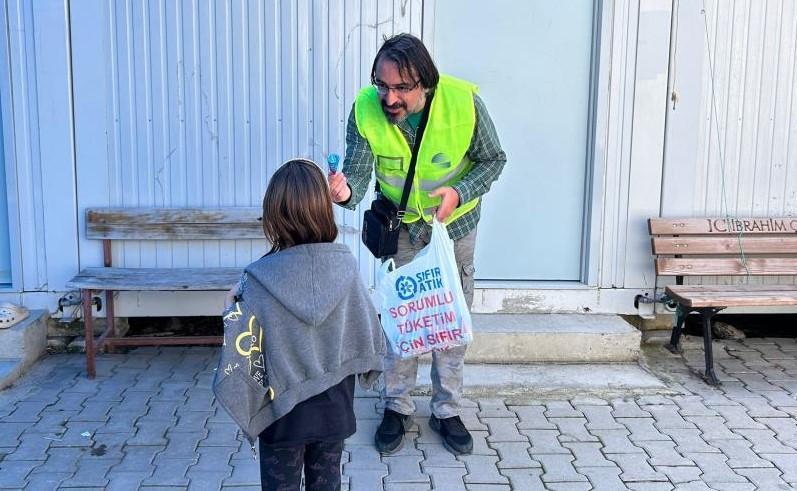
[[203, 100], [738, 98]]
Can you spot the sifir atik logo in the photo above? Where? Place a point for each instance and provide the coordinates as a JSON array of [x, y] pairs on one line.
[[408, 286]]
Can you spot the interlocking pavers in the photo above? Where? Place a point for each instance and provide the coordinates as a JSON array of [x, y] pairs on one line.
[[363, 457], [480, 445], [668, 416], [503, 430], [635, 467], [716, 427], [561, 409], [26, 412], [447, 478], [573, 430], [642, 429], [189, 421], [525, 479], [482, 469], [13, 474], [245, 472], [689, 441], [170, 472], [90, 474], [663, 453], [649, 486], [436, 455], [569, 486], [31, 447], [78, 434], [470, 418], [588, 454], [406, 486], [494, 408], [764, 441], [616, 441], [787, 463], [680, 474], [514, 455], [206, 480], [10, 432], [545, 442], [739, 454], [714, 468], [489, 487], [785, 429], [151, 432], [603, 478], [405, 468], [125, 480], [600, 418], [559, 468], [781, 399], [366, 429], [221, 435], [367, 480], [532, 417], [765, 478]]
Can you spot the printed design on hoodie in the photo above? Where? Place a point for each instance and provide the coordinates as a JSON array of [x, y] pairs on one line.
[[248, 344]]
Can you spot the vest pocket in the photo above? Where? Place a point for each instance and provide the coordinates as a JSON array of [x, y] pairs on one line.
[[387, 163]]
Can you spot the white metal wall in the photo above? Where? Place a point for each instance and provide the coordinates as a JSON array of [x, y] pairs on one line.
[[196, 103], [732, 126], [37, 130]]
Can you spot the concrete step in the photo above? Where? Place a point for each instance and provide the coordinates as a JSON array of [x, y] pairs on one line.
[[21, 345], [547, 380], [561, 338]]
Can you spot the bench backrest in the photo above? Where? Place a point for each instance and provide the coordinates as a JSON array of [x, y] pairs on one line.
[[174, 223], [724, 247]]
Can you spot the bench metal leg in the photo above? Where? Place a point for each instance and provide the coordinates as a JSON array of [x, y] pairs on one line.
[[110, 320], [88, 321], [674, 346], [707, 314]]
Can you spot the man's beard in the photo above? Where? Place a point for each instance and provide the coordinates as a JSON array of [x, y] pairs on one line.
[[390, 117]]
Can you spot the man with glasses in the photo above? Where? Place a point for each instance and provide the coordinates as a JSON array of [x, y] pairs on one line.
[[458, 161]]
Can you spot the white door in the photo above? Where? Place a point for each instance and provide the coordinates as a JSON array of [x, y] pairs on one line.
[[5, 249], [531, 60]]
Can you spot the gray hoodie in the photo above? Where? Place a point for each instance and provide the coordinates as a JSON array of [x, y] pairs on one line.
[[319, 325]]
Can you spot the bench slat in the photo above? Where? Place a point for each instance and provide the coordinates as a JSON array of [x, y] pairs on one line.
[[174, 223], [722, 226], [733, 296], [669, 266], [721, 245], [156, 279]]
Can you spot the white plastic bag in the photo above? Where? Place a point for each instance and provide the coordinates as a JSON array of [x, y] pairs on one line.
[[423, 307]]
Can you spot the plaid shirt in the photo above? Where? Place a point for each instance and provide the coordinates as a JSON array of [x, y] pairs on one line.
[[485, 152]]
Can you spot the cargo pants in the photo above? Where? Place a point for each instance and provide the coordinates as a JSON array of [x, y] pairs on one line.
[[447, 366]]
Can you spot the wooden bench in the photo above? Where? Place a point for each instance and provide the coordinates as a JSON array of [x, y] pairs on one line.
[[109, 224], [746, 247]]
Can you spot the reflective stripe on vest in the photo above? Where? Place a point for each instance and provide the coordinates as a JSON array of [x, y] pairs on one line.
[[442, 159]]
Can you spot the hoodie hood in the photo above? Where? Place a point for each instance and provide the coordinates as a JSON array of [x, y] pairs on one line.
[[306, 279]]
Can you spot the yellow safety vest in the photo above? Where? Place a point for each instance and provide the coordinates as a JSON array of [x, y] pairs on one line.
[[442, 159]]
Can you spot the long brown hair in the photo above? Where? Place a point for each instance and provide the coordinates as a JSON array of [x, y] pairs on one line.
[[297, 207]]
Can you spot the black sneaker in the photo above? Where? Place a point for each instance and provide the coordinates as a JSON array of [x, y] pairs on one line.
[[456, 437], [390, 434]]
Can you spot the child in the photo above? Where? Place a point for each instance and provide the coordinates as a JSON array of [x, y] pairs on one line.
[[319, 330]]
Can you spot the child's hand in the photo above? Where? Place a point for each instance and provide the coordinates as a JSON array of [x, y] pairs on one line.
[[339, 187]]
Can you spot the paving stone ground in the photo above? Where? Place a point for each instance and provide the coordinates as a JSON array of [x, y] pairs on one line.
[[149, 421]]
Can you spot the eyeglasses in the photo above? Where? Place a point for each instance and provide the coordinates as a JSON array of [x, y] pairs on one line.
[[383, 88]]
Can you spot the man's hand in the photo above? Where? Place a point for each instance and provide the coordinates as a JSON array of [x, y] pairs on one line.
[[449, 203], [339, 187]]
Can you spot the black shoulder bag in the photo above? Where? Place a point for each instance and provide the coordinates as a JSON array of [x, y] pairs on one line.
[[382, 222]]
